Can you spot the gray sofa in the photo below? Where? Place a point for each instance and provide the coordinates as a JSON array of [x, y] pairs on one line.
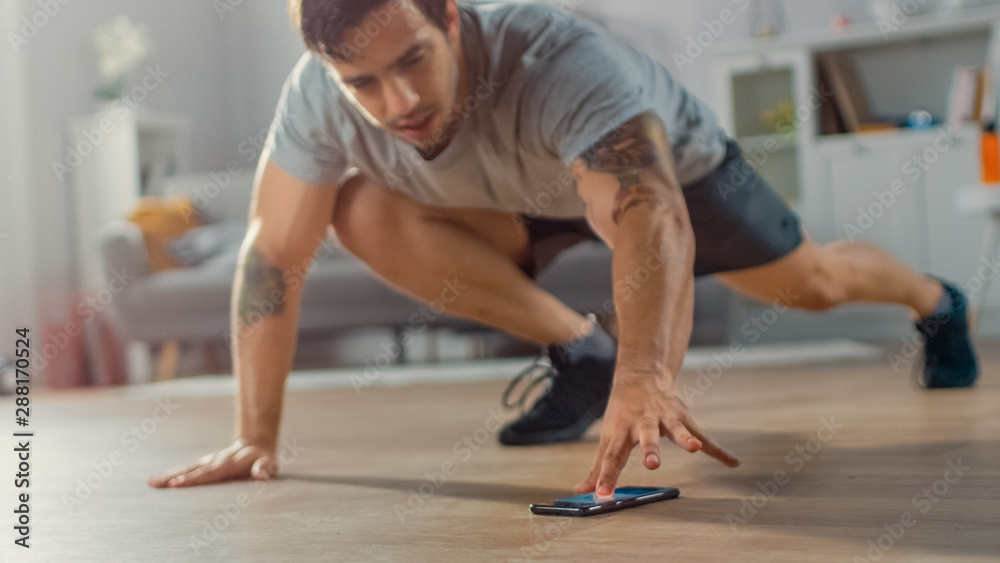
[[192, 304]]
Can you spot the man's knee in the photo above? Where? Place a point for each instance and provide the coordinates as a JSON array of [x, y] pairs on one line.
[[368, 217], [824, 285]]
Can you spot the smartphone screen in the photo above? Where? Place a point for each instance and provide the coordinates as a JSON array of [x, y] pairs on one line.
[[621, 493], [588, 504]]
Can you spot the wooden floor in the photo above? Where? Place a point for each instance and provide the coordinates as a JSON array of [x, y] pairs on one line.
[[361, 481]]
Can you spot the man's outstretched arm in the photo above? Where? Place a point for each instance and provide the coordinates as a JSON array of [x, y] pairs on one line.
[[635, 203], [288, 220]]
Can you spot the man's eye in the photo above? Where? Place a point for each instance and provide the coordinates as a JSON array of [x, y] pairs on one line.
[[412, 61], [361, 84]]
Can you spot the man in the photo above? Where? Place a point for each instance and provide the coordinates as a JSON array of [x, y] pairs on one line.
[[425, 132]]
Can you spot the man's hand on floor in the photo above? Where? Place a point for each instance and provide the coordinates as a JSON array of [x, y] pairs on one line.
[[238, 461], [640, 412]]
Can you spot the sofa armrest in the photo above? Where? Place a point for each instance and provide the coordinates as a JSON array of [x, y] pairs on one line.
[[123, 249]]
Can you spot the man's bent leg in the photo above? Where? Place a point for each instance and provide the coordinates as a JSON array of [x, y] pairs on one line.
[[469, 260], [482, 254]]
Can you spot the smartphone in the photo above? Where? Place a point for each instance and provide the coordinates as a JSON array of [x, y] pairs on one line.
[[587, 504]]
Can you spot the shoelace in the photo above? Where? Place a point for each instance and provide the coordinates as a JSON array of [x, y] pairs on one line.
[[537, 373]]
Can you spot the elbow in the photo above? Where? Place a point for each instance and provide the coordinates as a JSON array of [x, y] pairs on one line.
[[682, 234]]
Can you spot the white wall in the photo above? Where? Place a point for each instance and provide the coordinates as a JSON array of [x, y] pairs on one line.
[[262, 49], [664, 27], [17, 294]]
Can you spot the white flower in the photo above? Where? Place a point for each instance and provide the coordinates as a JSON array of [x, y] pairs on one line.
[[110, 68], [122, 46]]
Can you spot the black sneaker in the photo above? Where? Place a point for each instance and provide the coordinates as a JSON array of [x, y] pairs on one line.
[[581, 373], [949, 359]]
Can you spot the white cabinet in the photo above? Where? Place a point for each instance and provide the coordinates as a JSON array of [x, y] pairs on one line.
[[757, 83], [898, 190], [954, 240], [875, 199]]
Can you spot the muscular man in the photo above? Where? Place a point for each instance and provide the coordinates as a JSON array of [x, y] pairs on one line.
[[425, 132]]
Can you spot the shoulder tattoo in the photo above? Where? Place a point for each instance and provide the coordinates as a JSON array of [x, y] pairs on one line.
[[634, 154]]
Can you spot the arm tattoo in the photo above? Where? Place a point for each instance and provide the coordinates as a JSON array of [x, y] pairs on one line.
[[634, 196], [632, 154], [263, 291], [622, 150]]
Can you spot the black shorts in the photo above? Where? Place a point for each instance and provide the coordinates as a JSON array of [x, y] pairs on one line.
[[739, 222]]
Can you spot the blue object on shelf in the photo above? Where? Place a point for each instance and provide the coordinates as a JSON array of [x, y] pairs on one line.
[[919, 120]]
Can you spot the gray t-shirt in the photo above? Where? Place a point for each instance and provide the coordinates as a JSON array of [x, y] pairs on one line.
[[544, 87]]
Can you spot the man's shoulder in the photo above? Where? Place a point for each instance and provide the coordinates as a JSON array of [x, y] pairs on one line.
[[582, 53], [523, 13], [523, 26], [538, 41], [309, 73], [310, 90]]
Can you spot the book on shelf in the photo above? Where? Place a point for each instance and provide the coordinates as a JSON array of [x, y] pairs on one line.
[[848, 111], [988, 106], [972, 96]]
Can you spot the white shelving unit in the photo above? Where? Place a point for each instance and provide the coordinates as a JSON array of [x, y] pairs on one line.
[[122, 166], [826, 178]]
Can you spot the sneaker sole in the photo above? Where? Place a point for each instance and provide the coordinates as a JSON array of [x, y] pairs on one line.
[[566, 434], [938, 380]]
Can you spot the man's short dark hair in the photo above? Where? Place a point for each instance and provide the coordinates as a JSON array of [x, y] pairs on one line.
[[323, 23]]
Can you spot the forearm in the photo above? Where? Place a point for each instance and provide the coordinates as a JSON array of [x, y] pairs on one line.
[[264, 325], [637, 204], [262, 359], [653, 278]]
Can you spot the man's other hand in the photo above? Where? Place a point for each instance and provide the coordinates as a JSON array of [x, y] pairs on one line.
[[238, 461]]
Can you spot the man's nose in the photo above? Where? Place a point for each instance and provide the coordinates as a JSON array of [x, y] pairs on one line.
[[400, 97]]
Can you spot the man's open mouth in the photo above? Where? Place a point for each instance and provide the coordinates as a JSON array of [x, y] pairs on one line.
[[418, 128]]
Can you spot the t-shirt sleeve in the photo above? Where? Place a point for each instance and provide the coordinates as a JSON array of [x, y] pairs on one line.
[[303, 139], [580, 93]]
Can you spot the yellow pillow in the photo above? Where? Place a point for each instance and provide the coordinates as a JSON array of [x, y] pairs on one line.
[[160, 221]]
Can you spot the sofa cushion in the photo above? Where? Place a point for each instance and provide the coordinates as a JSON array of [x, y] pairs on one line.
[[216, 196], [200, 244]]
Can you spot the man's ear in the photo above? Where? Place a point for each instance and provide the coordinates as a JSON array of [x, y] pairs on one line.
[[454, 20]]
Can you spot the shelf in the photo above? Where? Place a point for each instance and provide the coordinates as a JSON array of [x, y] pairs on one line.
[[978, 199], [766, 141], [964, 132]]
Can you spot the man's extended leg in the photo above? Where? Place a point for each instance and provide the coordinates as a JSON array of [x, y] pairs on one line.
[[824, 276], [827, 275], [419, 250]]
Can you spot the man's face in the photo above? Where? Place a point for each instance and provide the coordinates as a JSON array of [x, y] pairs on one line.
[[403, 71]]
